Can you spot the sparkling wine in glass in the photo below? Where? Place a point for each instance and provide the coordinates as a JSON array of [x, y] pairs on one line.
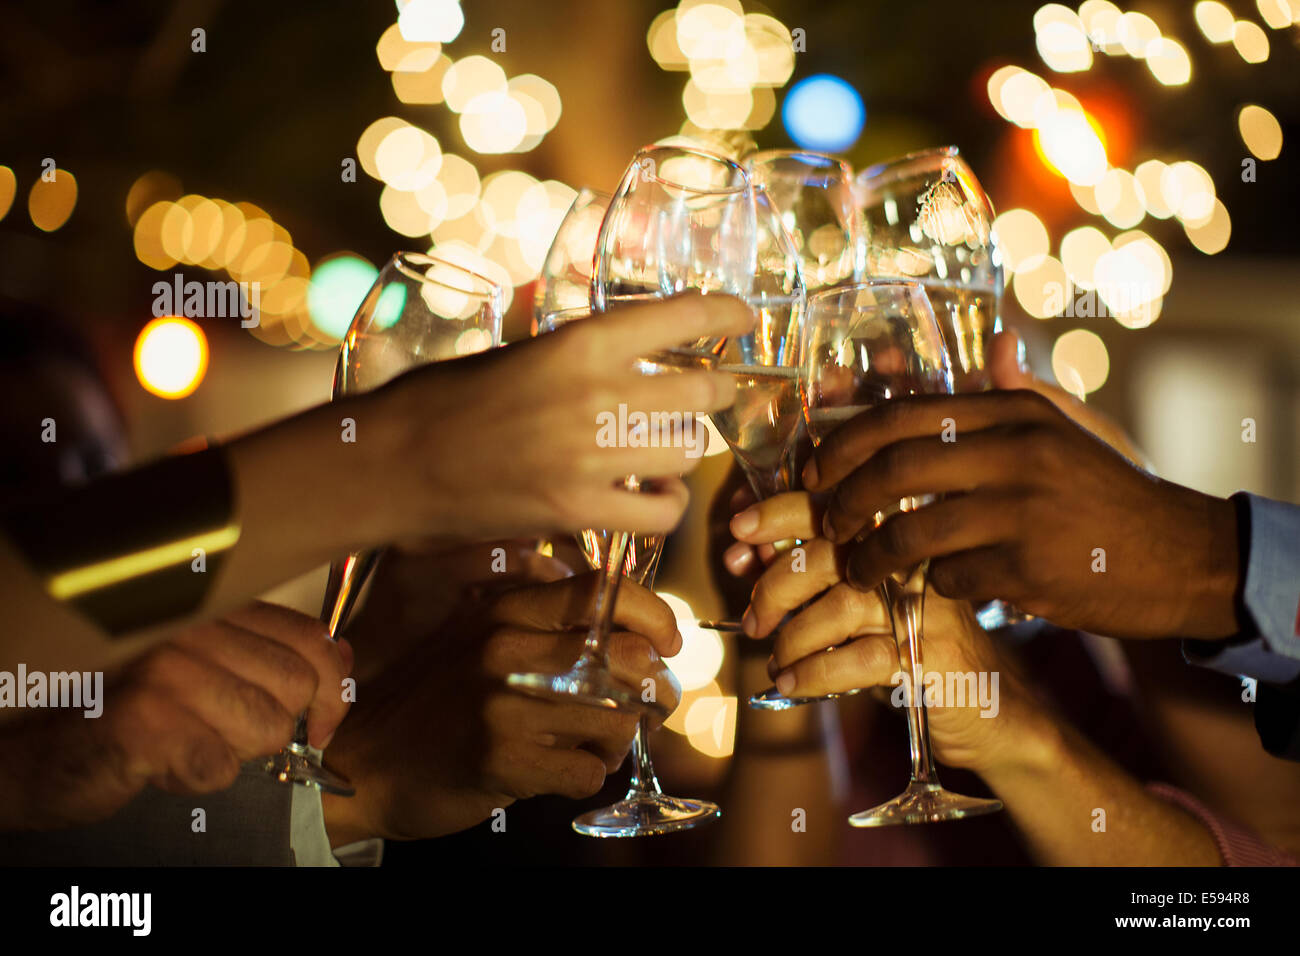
[[682, 219], [928, 219], [420, 309], [866, 344]]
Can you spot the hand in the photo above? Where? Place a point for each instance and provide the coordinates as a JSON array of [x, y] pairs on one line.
[[438, 743], [1008, 372], [844, 641], [182, 718], [1038, 512], [413, 592], [505, 443]]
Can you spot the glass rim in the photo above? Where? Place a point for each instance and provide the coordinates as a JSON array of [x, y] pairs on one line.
[[825, 160], [405, 263], [863, 286], [700, 153], [889, 170]]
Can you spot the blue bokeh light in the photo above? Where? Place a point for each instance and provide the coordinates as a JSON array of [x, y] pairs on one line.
[[823, 113]]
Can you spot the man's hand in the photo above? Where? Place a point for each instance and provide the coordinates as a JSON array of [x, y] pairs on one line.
[[1037, 511], [437, 743], [182, 718]]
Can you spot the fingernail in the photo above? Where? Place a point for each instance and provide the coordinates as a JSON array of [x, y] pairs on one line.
[[747, 623], [745, 523], [738, 557], [785, 683], [810, 473]]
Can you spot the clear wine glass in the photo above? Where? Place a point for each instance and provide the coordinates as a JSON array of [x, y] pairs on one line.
[[565, 279], [869, 343], [813, 196], [816, 197], [681, 219], [420, 309], [928, 219], [645, 810]]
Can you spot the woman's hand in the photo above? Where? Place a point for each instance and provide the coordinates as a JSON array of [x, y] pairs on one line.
[[514, 441]]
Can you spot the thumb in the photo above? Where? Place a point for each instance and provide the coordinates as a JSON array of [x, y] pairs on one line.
[[1006, 362]]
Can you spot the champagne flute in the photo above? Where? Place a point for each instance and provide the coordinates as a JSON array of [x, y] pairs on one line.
[[420, 309], [645, 810], [928, 219], [681, 219], [870, 343]]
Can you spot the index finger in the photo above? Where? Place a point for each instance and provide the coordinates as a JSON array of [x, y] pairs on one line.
[[629, 331], [569, 603], [854, 442]]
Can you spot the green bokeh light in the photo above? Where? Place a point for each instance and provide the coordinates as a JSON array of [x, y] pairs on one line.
[[337, 287]]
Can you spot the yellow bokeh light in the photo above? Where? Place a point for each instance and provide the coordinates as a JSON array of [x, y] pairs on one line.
[[1120, 198], [493, 122], [700, 659], [1061, 39], [147, 237], [51, 201], [1080, 250], [1101, 19], [1069, 141], [408, 158], [1168, 62], [1251, 41], [1137, 32], [1212, 235], [1080, 362], [469, 78], [1021, 237], [8, 189], [402, 213], [1188, 190], [392, 49], [171, 357], [661, 38], [422, 87], [153, 186], [1260, 131], [711, 725], [461, 183], [368, 142], [1018, 95], [1215, 20], [1042, 288], [1148, 175], [430, 21], [1278, 14]]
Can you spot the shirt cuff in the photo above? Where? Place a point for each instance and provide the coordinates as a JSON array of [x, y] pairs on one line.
[[1268, 648]]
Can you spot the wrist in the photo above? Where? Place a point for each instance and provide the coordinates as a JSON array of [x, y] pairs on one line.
[[1215, 573]]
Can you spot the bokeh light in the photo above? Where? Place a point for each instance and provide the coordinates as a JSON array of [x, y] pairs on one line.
[[823, 113], [171, 357]]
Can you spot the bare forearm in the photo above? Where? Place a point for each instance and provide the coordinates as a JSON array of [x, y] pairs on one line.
[[1077, 808]]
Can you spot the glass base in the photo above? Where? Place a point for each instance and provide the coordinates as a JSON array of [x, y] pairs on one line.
[[773, 699], [924, 803], [646, 814], [594, 688], [295, 764]]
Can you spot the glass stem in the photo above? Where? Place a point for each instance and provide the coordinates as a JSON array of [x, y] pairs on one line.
[[594, 653], [912, 610], [644, 782]]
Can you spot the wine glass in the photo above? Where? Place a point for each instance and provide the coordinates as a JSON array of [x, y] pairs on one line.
[[645, 810], [816, 197], [681, 219], [819, 222], [928, 219], [869, 343], [420, 309], [565, 279]]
